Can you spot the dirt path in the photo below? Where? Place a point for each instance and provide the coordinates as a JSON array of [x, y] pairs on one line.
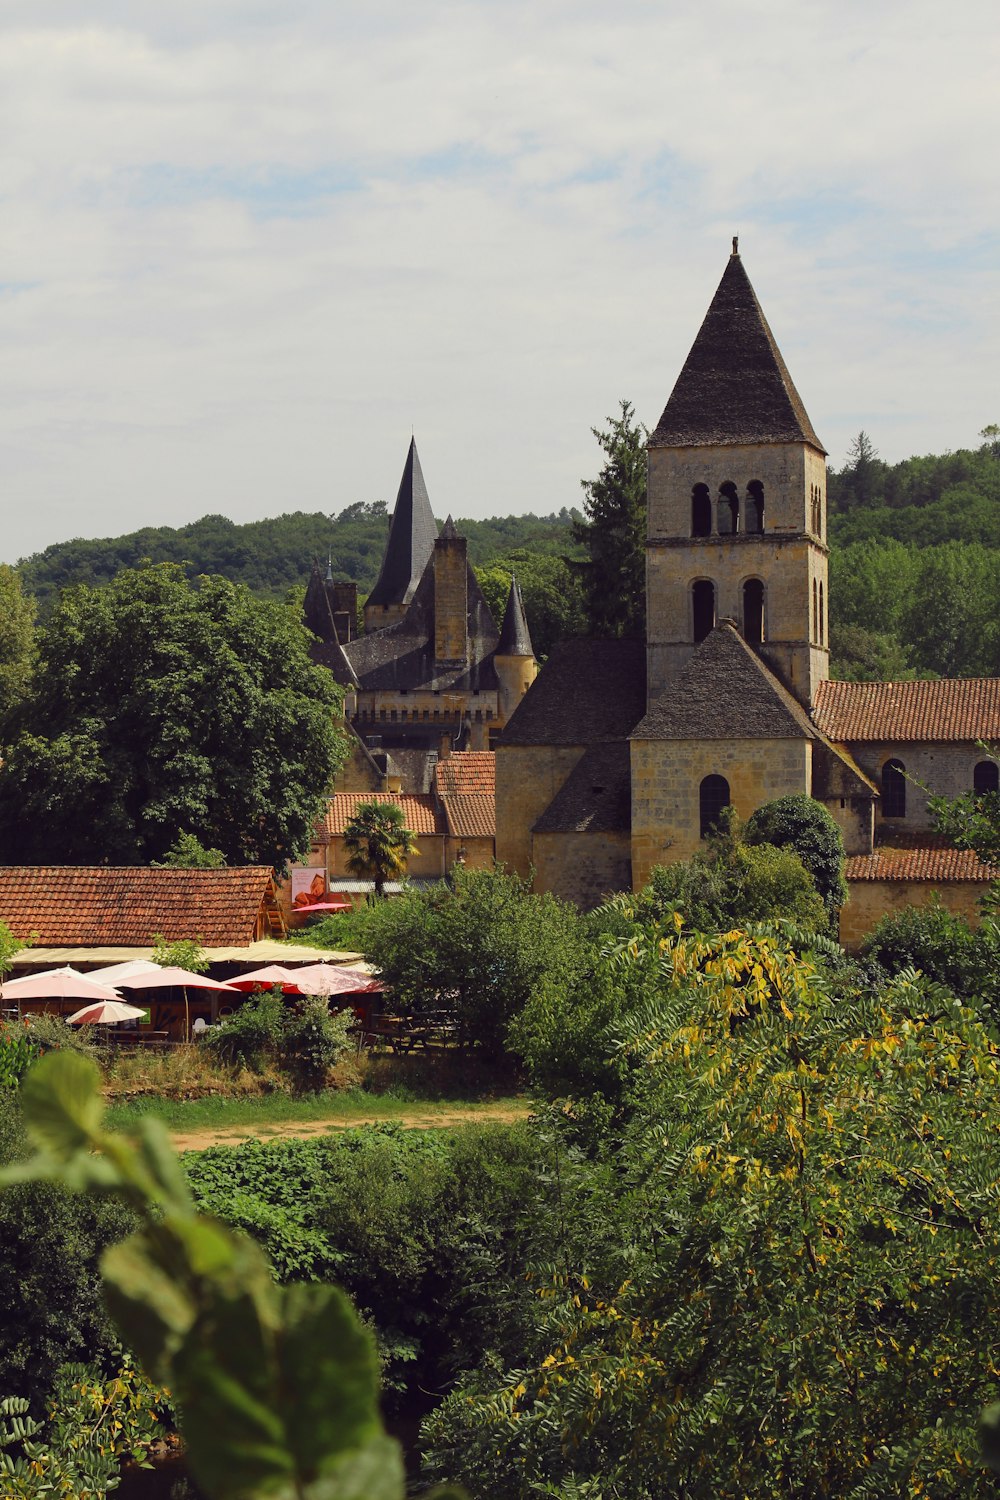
[[233, 1135]]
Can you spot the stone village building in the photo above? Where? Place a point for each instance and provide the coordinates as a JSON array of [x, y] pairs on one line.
[[623, 753]]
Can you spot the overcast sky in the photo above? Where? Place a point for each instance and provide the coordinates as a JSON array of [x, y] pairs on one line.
[[246, 246]]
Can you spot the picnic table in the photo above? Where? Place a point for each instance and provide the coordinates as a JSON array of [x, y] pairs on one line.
[[404, 1033]]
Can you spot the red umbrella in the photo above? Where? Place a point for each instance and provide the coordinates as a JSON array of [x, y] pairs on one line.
[[270, 975]]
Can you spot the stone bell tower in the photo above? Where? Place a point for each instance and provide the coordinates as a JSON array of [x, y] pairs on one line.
[[737, 503]]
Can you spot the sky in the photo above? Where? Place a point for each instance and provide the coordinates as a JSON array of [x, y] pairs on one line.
[[247, 247]]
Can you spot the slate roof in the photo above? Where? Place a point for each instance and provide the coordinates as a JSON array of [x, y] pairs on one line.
[[466, 773], [588, 691], [596, 796], [515, 639], [955, 708], [402, 655], [412, 532], [419, 810], [735, 386], [937, 865], [725, 692], [472, 816], [88, 905]]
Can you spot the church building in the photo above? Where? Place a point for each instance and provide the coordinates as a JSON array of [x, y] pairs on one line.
[[623, 753]]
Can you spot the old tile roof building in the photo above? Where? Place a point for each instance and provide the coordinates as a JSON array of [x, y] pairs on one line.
[[430, 673], [623, 753]]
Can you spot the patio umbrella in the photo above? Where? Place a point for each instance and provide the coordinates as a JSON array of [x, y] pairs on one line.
[[57, 984], [169, 977], [105, 1013], [115, 973], [335, 979], [269, 975], [323, 906]]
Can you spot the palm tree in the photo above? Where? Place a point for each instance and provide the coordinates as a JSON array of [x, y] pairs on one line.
[[378, 843]]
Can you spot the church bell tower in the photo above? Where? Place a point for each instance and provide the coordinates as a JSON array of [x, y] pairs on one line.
[[737, 503]]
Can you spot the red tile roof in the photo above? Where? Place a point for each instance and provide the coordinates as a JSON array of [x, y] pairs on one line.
[[956, 708], [938, 865], [95, 905], [418, 810], [471, 817], [466, 773]]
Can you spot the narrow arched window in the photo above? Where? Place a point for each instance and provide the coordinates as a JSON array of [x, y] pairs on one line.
[[755, 506], [986, 777], [815, 634], [729, 509], [702, 608], [701, 511], [713, 796], [894, 789], [753, 611], [822, 613]]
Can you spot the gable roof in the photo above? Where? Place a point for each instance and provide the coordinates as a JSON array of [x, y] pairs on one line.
[[596, 797], [419, 810], [735, 386], [938, 865], [466, 773], [515, 639], [471, 816], [412, 532], [955, 708], [87, 905], [590, 690], [725, 692]]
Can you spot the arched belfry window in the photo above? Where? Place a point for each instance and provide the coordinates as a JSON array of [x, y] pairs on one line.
[[702, 608], [713, 797], [815, 634], [729, 509], [822, 613], [755, 506], [986, 777], [701, 511], [753, 611], [894, 789]]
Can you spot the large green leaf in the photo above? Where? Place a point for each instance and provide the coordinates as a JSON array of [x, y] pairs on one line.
[[235, 1439], [373, 1472], [152, 1308], [329, 1377], [160, 1161], [62, 1105]]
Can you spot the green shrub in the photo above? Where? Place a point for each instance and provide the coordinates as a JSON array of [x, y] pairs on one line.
[[18, 1050], [252, 1034], [313, 1040], [802, 824], [51, 1032], [945, 948], [733, 884]]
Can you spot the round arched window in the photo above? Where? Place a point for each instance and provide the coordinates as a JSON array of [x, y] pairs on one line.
[[713, 797]]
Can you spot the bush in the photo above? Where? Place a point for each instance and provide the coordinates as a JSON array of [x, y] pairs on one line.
[[252, 1034], [942, 946], [805, 826], [304, 1040], [733, 884], [51, 1033], [313, 1040], [18, 1050]]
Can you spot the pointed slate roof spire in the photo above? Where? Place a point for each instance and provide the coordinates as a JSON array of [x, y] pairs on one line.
[[412, 532], [317, 610], [735, 386], [448, 529], [515, 639]]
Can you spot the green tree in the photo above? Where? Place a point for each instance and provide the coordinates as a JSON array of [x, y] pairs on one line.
[[378, 843], [802, 824], [159, 707], [188, 853], [17, 644], [551, 588], [481, 947], [614, 532]]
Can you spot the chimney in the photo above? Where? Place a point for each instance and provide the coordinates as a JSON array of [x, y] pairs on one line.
[[451, 597]]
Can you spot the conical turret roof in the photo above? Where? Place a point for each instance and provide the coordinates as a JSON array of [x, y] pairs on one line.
[[412, 533], [515, 639], [735, 386]]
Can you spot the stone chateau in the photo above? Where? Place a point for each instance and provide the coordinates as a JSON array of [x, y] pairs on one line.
[[623, 753]]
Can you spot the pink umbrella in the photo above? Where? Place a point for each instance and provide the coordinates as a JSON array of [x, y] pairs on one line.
[[335, 979], [57, 984], [324, 906], [105, 1013], [157, 978], [271, 974]]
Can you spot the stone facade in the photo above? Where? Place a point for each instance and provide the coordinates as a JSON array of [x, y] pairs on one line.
[[582, 867], [528, 778], [871, 900]]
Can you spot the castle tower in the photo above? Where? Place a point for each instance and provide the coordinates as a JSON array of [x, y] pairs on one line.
[[411, 540], [737, 503], [514, 657], [451, 598]]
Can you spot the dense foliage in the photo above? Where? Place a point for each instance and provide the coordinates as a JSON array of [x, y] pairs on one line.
[[785, 1266], [160, 709], [802, 824], [614, 532], [479, 947], [303, 1040], [552, 591]]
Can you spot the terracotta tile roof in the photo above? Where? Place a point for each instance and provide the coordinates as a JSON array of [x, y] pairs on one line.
[[418, 810], [87, 905], [471, 817], [465, 773], [938, 865], [955, 708]]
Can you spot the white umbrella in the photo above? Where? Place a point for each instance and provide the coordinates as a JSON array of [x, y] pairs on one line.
[[115, 973], [105, 1013], [334, 979], [57, 984], [157, 978]]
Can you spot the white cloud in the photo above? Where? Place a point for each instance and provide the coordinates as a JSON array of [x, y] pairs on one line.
[[245, 247]]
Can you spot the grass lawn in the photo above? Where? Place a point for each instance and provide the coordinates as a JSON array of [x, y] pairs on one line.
[[218, 1112]]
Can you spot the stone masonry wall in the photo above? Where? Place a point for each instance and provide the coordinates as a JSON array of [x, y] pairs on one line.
[[870, 900], [945, 768], [528, 777], [582, 867], [666, 778]]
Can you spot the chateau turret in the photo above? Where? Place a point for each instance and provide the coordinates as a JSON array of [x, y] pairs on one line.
[[514, 657]]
